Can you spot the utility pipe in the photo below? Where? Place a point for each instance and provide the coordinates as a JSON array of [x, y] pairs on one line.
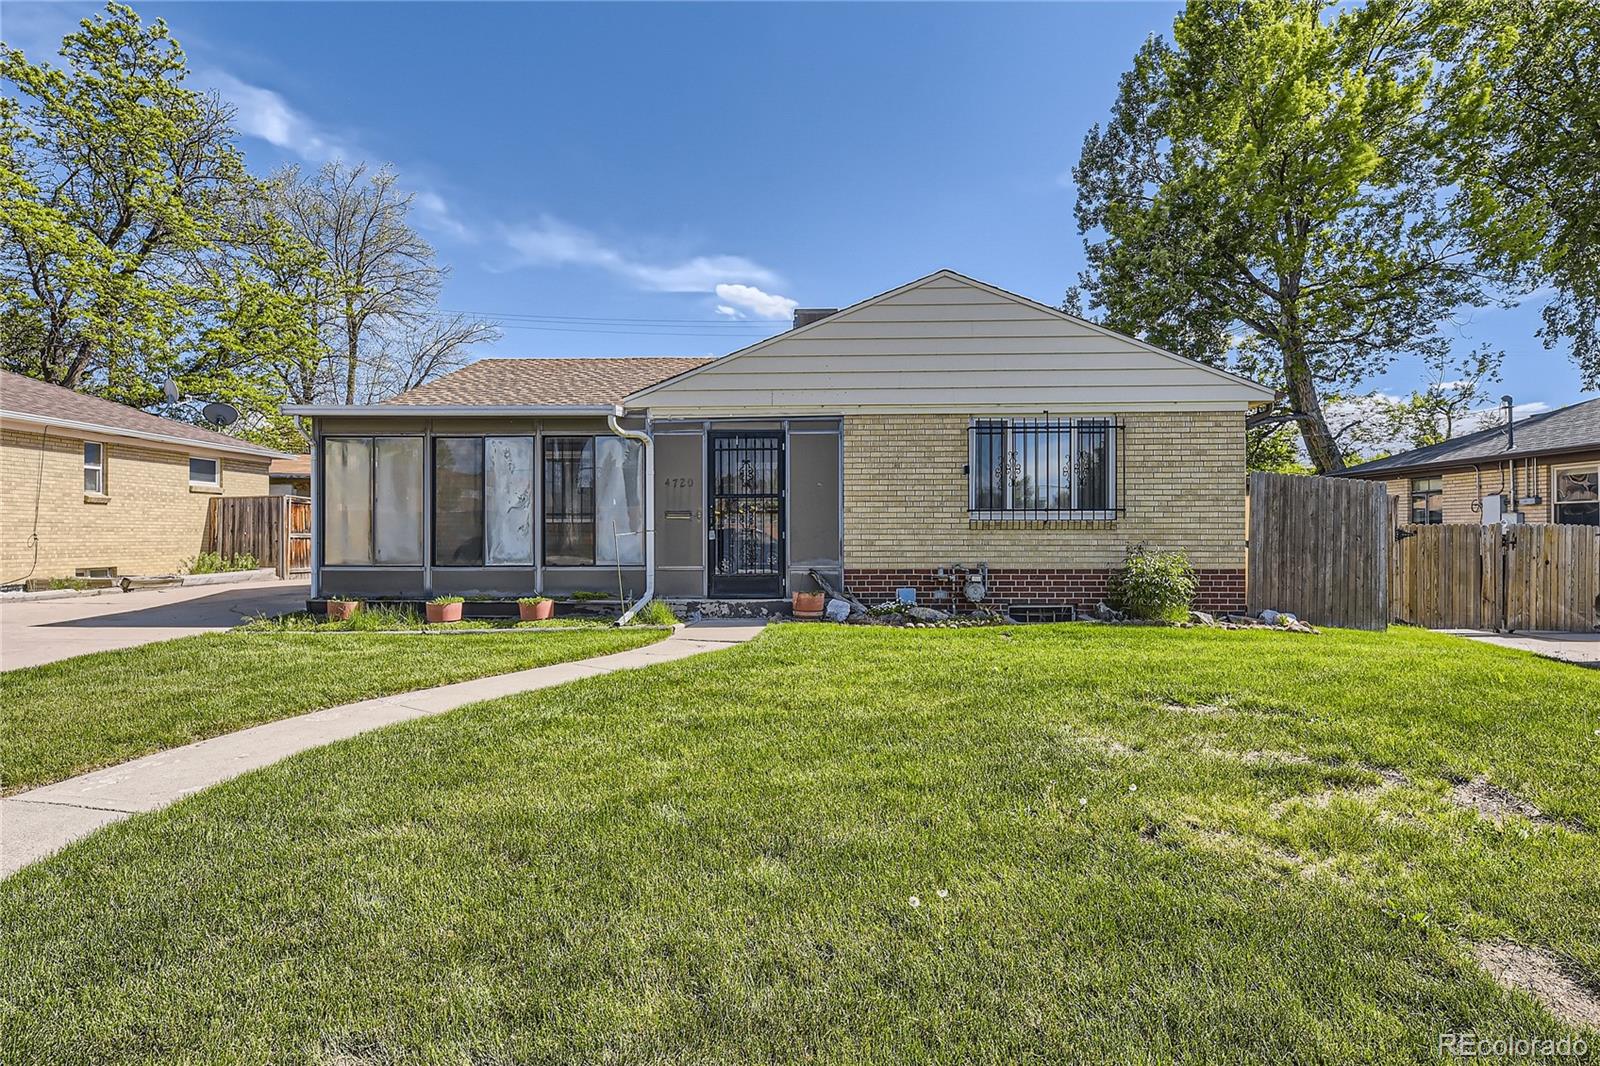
[[646, 443]]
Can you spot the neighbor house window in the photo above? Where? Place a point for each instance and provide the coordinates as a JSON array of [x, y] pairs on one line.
[[206, 473], [1576, 495], [593, 502], [94, 468], [372, 501], [483, 501], [1043, 468], [1427, 500]]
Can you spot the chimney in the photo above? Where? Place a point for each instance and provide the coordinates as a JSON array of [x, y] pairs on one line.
[[1511, 429], [804, 316]]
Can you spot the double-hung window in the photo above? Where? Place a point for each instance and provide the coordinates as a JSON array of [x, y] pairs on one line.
[[1427, 501], [1043, 468], [1575, 495], [94, 468]]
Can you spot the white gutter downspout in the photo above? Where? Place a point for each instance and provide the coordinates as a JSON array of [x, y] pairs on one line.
[[649, 510]]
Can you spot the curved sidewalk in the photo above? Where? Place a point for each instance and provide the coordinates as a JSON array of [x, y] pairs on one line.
[[41, 821]]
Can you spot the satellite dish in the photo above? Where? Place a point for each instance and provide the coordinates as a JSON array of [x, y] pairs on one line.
[[220, 414], [169, 388]]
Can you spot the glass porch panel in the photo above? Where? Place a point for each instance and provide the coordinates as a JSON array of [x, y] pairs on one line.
[[618, 502], [569, 501], [508, 481], [347, 501], [397, 498], [458, 501]]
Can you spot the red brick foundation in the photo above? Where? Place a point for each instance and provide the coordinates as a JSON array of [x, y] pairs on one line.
[[1220, 590]]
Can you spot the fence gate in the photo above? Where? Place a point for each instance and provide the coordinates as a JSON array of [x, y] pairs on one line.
[[1520, 577], [275, 529], [1319, 547]]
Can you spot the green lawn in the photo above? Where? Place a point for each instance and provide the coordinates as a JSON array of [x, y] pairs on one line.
[[68, 717], [1126, 845]]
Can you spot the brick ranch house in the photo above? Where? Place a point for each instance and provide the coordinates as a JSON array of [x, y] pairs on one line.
[[1543, 468], [946, 436], [88, 486]]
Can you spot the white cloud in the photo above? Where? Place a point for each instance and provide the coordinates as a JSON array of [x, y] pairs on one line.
[[265, 114], [752, 299], [552, 242], [724, 309]]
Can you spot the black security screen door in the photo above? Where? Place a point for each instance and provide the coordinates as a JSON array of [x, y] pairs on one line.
[[746, 527]]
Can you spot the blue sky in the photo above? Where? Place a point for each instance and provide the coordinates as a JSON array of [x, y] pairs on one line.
[[670, 179]]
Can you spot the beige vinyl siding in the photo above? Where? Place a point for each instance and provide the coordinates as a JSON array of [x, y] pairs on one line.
[[947, 343]]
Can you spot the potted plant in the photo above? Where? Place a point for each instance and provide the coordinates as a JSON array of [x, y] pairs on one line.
[[445, 609], [536, 608], [807, 604], [341, 610]]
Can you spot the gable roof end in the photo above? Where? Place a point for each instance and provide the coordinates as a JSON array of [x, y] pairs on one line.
[[1046, 349]]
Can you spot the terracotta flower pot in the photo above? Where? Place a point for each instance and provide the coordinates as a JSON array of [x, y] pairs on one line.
[[341, 610], [537, 612], [444, 612], [807, 604]]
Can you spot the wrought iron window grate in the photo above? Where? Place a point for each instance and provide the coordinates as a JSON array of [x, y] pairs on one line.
[[1045, 468]]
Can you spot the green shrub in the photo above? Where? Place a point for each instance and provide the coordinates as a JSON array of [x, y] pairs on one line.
[[655, 613], [58, 584], [586, 595], [215, 563], [531, 600], [1155, 585], [443, 601]]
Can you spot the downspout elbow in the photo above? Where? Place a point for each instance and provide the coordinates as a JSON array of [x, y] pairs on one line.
[[645, 441]]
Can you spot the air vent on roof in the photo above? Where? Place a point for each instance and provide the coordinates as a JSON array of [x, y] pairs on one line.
[[804, 316]]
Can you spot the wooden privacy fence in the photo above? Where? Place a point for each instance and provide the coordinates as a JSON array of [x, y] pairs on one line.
[[1319, 548], [275, 529], [1519, 577]]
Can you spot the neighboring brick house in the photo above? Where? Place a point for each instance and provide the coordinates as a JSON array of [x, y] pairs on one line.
[[942, 436], [91, 486], [1543, 468]]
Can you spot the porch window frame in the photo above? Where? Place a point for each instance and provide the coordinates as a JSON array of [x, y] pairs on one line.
[[432, 503], [1555, 481], [1112, 426], [321, 486]]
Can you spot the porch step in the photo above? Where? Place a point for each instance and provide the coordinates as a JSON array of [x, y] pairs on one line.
[[691, 610]]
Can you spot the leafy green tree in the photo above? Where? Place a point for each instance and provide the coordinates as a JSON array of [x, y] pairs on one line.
[[1265, 194], [124, 211], [1521, 104]]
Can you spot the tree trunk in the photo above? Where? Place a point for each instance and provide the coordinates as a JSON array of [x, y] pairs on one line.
[[350, 356], [1307, 405]]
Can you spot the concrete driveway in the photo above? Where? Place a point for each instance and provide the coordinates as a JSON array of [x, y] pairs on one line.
[[46, 630], [1580, 649]]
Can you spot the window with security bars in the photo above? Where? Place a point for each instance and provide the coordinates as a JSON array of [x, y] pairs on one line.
[[1044, 468]]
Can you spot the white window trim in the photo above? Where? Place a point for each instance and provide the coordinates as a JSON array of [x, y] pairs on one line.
[[1555, 479], [99, 468], [216, 483], [1042, 514]]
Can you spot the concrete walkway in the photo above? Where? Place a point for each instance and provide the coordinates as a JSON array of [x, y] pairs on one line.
[[1580, 649], [39, 822], [43, 631]]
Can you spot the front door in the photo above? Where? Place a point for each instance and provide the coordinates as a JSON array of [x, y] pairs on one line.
[[746, 527]]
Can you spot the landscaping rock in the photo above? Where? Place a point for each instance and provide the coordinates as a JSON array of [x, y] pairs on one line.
[[1106, 613], [836, 610], [1200, 618], [925, 614]]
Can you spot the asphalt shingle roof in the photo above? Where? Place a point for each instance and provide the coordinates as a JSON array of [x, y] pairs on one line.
[[1566, 429], [554, 382], [25, 397]]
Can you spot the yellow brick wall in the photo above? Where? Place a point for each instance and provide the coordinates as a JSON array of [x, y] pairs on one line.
[[905, 497], [149, 523], [1463, 488]]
